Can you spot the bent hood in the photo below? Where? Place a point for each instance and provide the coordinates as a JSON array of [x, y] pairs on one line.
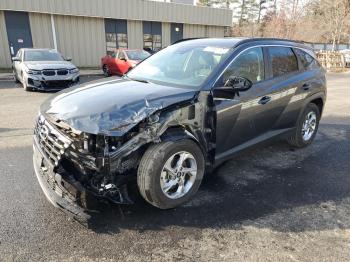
[[41, 65], [111, 107]]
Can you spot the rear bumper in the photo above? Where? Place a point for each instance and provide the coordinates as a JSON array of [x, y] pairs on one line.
[[52, 185]]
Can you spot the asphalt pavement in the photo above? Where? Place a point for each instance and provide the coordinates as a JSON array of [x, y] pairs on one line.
[[273, 203]]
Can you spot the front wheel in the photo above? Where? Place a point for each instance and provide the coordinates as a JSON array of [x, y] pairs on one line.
[[307, 127], [170, 173], [106, 71], [15, 76], [24, 84]]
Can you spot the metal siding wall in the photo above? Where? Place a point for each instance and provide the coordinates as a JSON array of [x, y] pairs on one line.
[[5, 58], [122, 9], [81, 38], [194, 31], [40, 25], [165, 34], [216, 31], [135, 34]]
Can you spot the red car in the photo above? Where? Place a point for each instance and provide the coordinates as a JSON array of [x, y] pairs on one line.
[[122, 60]]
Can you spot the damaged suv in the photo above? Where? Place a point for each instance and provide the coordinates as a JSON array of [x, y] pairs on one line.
[[173, 118]]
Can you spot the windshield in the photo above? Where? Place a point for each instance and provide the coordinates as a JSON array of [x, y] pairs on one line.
[[137, 54], [180, 65], [42, 55]]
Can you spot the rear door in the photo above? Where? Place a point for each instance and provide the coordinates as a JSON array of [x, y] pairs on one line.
[[284, 81]]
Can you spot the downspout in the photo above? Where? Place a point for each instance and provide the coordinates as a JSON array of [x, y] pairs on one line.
[[53, 28]]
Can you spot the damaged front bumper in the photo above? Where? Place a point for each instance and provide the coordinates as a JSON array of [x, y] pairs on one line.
[[55, 187], [51, 83]]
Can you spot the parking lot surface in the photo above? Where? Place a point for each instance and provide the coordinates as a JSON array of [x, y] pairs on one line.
[[270, 204]]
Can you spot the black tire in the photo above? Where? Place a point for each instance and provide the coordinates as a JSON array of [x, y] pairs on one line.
[[150, 168], [105, 70], [297, 139], [15, 76], [24, 84]]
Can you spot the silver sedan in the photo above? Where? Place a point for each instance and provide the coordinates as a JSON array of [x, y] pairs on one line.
[[44, 69]]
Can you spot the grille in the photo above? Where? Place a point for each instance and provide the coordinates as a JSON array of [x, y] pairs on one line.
[[57, 84], [62, 72], [49, 72], [52, 143]]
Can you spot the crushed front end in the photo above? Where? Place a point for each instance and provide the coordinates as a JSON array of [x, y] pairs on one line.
[[73, 168]]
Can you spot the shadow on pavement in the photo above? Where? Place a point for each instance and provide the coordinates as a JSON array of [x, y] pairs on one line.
[[274, 187]]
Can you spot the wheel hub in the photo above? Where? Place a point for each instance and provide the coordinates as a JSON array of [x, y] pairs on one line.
[[178, 175], [309, 126]]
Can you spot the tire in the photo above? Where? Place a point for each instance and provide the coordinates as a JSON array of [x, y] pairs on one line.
[[24, 84], [15, 76], [297, 139], [150, 173], [105, 70]]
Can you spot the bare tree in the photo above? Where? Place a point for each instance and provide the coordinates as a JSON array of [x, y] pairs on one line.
[[335, 14]]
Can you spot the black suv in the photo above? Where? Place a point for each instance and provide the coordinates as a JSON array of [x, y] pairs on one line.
[[173, 118]]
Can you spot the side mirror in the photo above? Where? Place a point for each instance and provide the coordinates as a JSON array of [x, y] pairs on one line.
[[123, 59], [15, 59], [238, 83], [68, 58]]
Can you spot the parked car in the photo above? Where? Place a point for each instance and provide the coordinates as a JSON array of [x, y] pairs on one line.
[[122, 60], [173, 118], [346, 54], [43, 69]]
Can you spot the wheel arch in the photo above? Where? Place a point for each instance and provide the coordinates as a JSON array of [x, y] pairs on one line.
[[319, 103]]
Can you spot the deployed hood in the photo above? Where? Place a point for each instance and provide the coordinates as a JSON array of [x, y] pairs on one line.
[[41, 65], [111, 107]]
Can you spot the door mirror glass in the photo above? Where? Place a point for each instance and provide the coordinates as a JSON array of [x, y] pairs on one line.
[[238, 83], [15, 59], [68, 59]]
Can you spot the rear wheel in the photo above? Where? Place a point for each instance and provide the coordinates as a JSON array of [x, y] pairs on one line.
[[106, 71], [307, 127], [170, 173]]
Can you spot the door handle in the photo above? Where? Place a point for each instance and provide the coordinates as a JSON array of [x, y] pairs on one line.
[[306, 86], [264, 100]]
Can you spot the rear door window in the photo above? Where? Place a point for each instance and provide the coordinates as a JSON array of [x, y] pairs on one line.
[[283, 61], [308, 62]]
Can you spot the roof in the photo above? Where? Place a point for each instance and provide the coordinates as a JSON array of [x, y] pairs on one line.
[[232, 42]]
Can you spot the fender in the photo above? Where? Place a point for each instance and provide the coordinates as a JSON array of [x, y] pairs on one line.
[[178, 133], [312, 97]]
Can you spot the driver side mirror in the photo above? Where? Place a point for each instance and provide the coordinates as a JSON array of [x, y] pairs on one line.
[[68, 58], [238, 83], [15, 59]]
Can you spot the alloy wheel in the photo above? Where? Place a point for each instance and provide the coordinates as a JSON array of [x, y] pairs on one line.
[[178, 175]]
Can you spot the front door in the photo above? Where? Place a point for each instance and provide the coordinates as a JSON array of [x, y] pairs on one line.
[[176, 32], [18, 31], [236, 114]]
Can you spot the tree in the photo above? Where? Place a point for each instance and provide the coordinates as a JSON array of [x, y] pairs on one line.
[[336, 15], [204, 2]]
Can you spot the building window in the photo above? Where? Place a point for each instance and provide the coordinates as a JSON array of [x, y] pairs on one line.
[[116, 35], [152, 35]]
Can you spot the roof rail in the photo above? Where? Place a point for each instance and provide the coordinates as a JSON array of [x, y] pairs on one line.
[[187, 39]]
